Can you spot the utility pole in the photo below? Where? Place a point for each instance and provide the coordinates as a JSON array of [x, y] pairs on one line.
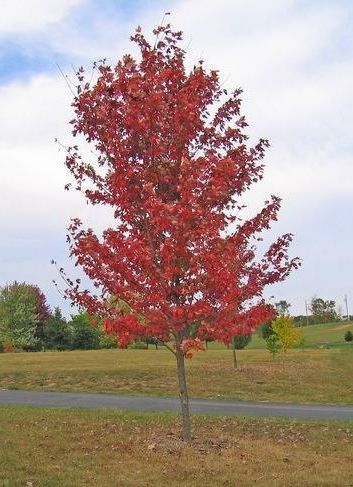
[[346, 303], [306, 313]]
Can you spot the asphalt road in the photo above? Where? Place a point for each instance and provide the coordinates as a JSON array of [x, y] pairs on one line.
[[204, 406]]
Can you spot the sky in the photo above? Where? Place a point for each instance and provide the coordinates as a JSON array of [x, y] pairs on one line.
[[292, 58]]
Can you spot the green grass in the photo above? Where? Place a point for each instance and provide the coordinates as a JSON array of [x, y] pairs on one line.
[[320, 375], [66, 448]]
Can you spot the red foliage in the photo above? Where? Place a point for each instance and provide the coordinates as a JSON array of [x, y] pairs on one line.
[[8, 346], [173, 164], [192, 344], [43, 309]]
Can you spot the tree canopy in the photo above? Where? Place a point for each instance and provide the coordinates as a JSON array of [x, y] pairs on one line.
[[23, 312]]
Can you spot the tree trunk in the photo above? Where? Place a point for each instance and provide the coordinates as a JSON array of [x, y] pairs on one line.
[[235, 363], [184, 398]]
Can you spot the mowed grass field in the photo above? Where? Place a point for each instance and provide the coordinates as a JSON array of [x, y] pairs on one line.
[[69, 447], [309, 375], [66, 448]]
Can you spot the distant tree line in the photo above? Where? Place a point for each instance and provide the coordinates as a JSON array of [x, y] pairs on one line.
[[319, 311], [27, 323]]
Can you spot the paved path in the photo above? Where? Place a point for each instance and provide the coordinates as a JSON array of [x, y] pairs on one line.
[[145, 403]]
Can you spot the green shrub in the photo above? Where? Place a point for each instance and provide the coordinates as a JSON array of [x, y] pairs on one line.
[[238, 343], [241, 341], [348, 336]]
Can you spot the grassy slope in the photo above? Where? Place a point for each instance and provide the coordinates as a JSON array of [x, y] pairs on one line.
[[331, 334], [303, 376], [65, 448]]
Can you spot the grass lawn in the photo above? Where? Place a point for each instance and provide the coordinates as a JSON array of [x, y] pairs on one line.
[[316, 375], [66, 448]]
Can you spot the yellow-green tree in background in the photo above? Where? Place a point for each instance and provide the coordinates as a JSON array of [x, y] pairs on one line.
[[288, 334]]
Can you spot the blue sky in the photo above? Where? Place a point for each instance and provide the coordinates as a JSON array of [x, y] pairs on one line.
[[294, 60]]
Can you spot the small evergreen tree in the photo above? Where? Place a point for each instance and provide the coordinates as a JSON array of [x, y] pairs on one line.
[[273, 345], [56, 332], [266, 330]]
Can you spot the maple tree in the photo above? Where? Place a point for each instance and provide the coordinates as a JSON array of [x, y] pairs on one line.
[[172, 162]]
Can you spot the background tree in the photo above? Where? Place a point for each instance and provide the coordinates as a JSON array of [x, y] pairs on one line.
[[273, 345], [56, 332], [323, 311], [105, 340], [288, 335], [302, 320], [43, 315], [23, 313], [173, 164], [84, 335], [266, 329], [282, 307], [151, 341], [239, 342]]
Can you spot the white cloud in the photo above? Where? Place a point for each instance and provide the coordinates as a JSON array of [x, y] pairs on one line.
[[29, 15], [35, 111], [32, 179], [33, 174]]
